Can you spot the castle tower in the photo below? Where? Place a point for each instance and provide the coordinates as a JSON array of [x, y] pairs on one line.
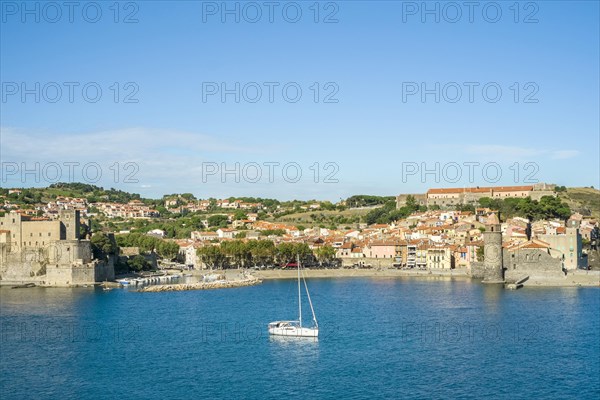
[[12, 222], [70, 224], [492, 262]]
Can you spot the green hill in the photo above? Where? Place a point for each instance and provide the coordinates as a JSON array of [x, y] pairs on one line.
[[585, 201]]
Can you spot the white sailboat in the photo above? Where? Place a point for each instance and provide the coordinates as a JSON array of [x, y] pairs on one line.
[[295, 328]]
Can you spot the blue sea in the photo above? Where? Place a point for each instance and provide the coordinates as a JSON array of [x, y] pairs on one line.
[[380, 339]]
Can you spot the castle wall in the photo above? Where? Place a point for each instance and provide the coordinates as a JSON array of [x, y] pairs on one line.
[[78, 274], [537, 195], [22, 266], [39, 233], [548, 187], [59, 275], [105, 270], [522, 262], [510, 194], [452, 198], [443, 203], [473, 198], [48, 252], [25, 232], [421, 199]]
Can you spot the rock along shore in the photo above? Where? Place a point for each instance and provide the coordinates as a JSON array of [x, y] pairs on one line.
[[202, 285]]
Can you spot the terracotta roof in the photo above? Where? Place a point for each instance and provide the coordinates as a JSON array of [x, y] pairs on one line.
[[534, 246], [531, 244], [512, 188]]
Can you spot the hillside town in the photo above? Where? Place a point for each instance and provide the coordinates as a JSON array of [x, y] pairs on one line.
[[441, 230]]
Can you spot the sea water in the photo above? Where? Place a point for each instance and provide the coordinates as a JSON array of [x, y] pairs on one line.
[[379, 338]]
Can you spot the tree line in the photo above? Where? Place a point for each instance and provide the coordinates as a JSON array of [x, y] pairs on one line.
[[389, 213], [548, 207], [367, 200], [163, 248], [244, 254]]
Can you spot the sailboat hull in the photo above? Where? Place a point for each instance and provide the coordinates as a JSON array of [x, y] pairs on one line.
[[294, 331]]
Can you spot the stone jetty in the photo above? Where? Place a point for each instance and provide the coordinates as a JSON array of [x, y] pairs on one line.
[[202, 285]]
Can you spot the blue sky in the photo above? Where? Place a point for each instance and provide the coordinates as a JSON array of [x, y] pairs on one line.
[[372, 57]]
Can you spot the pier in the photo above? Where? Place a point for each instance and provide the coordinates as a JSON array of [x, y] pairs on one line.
[[224, 284]]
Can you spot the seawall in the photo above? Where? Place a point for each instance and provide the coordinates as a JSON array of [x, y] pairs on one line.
[[201, 285]]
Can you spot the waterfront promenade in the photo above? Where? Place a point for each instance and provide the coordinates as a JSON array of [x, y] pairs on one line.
[[573, 278]]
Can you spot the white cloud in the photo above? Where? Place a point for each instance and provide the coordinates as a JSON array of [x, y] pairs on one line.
[[150, 157], [564, 154], [126, 144], [153, 162]]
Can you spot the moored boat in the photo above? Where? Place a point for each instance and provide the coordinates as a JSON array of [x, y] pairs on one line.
[[292, 328], [295, 328]]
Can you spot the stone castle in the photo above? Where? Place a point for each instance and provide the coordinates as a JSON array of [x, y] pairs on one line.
[[505, 262], [48, 252], [452, 197]]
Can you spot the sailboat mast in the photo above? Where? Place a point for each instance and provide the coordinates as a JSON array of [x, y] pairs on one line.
[[312, 310], [299, 298]]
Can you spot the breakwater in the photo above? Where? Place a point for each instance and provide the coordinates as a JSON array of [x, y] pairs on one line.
[[202, 285]]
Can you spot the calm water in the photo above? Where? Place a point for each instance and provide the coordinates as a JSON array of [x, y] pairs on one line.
[[381, 338]]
